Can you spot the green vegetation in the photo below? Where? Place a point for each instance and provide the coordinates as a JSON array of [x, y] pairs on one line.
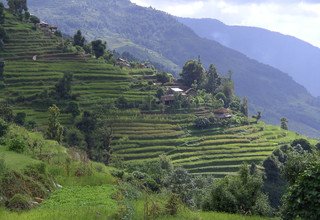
[[162, 159], [149, 34]]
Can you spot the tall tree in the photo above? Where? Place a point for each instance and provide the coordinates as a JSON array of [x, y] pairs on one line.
[[78, 39], [55, 129], [63, 87], [98, 48], [17, 6], [87, 126], [213, 80], [2, 64], [191, 72], [244, 107], [107, 135], [2, 15], [284, 124]]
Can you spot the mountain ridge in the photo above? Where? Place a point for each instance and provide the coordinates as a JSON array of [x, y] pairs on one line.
[[287, 53]]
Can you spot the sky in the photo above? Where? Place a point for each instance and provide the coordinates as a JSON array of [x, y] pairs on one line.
[[299, 18]]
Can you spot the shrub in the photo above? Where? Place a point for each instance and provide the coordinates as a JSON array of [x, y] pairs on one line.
[[172, 205], [117, 173], [152, 185], [302, 198], [3, 127], [202, 123], [19, 202], [303, 143], [138, 175], [238, 194], [20, 118], [17, 145]]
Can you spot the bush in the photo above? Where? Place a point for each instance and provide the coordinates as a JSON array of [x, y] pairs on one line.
[[20, 118], [303, 143], [302, 198], [172, 205], [117, 173], [152, 185], [202, 123], [3, 127], [238, 194], [19, 202], [17, 145]]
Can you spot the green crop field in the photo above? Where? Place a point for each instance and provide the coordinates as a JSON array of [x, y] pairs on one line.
[[139, 137]]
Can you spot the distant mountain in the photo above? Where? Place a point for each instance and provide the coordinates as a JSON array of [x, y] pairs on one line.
[[124, 24], [293, 56]]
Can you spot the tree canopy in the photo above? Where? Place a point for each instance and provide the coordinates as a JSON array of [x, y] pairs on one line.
[[17, 6], [98, 48], [192, 71], [78, 39]]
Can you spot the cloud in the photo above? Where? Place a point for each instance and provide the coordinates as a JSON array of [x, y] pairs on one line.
[[299, 18]]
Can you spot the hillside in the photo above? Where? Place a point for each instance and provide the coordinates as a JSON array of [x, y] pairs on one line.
[[293, 56], [73, 188], [139, 137], [268, 89]]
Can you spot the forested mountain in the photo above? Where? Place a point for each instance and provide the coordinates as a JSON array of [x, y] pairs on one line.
[[268, 89], [293, 56]]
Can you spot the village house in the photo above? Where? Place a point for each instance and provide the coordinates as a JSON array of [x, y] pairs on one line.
[[222, 113], [169, 97], [47, 27], [123, 63]]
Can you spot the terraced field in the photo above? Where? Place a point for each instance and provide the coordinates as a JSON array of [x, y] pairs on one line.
[[215, 152], [139, 137], [96, 83]]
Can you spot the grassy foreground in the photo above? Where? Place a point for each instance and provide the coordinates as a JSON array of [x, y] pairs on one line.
[[91, 195]]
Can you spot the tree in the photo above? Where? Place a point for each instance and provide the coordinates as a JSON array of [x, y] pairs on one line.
[[2, 65], [163, 78], [3, 35], [192, 71], [284, 124], [73, 109], [18, 6], [78, 39], [27, 15], [239, 194], [244, 107], [63, 87], [75, 138], [34, 20], [98, 48], [55, 129], [181, 183], [302, 143], [3, 127], [107, 135], [257, 117], [228, 90], [2, 15], [213, 80], [302, 199], [20, 118], [6, 112], [160, 93], [87, 126]]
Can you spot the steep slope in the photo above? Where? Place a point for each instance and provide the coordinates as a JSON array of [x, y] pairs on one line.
[[268, 89], [138, 137], [293, 56]]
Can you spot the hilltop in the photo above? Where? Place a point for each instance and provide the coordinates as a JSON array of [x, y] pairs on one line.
[[122, 23], [293, 56]]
